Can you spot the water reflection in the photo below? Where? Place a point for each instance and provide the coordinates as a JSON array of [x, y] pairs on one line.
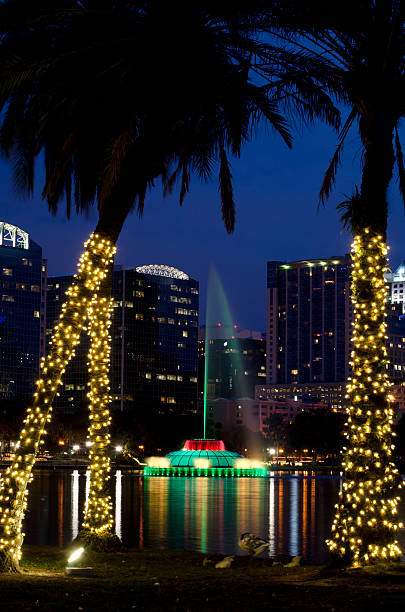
[[118, 503], [205, 514], [75, 503]]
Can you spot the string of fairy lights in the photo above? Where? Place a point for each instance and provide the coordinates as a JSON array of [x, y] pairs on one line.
[[365, 526], [99, 517], [93, 267]]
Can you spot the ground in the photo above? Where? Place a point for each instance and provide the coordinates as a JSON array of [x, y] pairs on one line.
[[176, 580]]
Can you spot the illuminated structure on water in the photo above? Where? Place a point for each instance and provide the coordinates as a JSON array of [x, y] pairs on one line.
[[204, 457]]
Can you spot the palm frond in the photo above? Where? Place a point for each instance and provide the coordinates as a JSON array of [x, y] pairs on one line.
[[185, 182], [226, 191], [350, 211], [330, 174], [400, 163]]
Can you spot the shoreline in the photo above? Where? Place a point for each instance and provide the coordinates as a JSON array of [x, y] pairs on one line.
[[82, 464]]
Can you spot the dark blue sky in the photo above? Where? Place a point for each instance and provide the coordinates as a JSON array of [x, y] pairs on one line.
[[276, 193]]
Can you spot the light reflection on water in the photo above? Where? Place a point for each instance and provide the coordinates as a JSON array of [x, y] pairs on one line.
[[206, 514]]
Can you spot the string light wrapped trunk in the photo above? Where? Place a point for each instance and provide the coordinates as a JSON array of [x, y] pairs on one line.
[[365, 527], [92, 269], [97, 529]]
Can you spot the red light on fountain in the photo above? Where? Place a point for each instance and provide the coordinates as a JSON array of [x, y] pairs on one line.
[[204, 445]]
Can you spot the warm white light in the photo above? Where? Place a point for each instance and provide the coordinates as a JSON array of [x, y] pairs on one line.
[[88, 443], [202, 463], [76, 447], [160, 462], [75, 555], [118, 449], [243, 464]]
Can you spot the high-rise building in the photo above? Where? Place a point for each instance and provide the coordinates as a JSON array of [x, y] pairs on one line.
[[154, 341], [22, 311], [308, 321], [236, 361], [396, 286]]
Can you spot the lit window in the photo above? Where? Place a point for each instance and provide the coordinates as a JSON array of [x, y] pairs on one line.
[[171, 400], [170, 321], [36, 314], [193, 379], [180, 345], [7, 272], [7, 298], [185, 334], [180, 378], [69, 387], [20, 286], [26, 262], [161, 376], [139, 316], [139, 294], [35, 288], [148, 375], [171, 377]]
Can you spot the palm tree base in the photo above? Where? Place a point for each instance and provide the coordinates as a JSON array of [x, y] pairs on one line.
[[335, 562], [102, 542], [8, 565]]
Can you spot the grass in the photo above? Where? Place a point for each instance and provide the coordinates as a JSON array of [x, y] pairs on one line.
[[176, 580]]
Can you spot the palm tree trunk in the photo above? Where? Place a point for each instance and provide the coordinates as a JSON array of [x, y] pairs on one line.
[[92, 269], [97, 529], [365, 526]]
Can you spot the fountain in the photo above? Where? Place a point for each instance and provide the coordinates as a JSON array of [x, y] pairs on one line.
[[206, 456]]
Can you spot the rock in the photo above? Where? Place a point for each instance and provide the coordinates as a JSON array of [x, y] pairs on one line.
[[295, 562], [225, 563]]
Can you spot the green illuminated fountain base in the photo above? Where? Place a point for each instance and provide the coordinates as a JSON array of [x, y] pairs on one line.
[[211, 472], [207, 458]]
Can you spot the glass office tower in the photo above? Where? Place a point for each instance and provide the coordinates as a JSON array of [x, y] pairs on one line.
[[22, 311], [308, 321], [154, 341]]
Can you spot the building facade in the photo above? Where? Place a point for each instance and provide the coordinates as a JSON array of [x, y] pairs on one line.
[[154, 341], [228, 414], [22, 311], [308, 321], [330, 394], [236, 361], [396, 286]]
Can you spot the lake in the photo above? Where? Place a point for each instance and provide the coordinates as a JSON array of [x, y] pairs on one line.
[[292, 512]]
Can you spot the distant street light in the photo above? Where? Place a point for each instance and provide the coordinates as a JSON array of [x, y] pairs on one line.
[[76, 447], [118, 449]]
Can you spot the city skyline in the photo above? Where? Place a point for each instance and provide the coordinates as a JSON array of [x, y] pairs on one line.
[[276, 193]]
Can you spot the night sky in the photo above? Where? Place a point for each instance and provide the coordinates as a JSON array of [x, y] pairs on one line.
[[276, 191]]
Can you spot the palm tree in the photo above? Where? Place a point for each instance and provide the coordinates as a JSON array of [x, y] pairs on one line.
[[115, 95], [363, 44]]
